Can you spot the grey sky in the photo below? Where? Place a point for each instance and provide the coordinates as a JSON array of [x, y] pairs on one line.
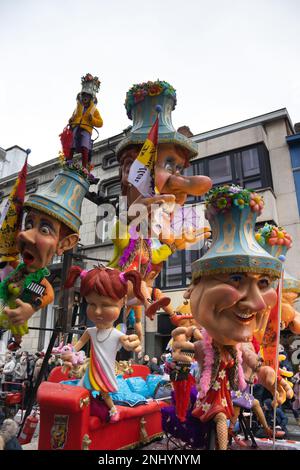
[[228, 60]]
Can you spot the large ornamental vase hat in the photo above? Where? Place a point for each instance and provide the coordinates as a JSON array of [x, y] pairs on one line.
[[62, 198], [277, 241], [142, 102], [232, 212], [90, 84]]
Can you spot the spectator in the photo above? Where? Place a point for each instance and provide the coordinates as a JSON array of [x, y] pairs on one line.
[[8, 435], [154, 367], [30, 366], [20, 371], [281, 417], [37, 366], [296, 403], [9, 366], [146, 360]]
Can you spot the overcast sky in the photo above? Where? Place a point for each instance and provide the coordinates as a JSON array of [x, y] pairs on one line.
[[229, 60]]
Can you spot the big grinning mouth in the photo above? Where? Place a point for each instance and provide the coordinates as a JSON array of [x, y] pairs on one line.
[[244, 317]]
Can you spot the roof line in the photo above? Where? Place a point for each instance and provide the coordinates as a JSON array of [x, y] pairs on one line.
[[261, 119]]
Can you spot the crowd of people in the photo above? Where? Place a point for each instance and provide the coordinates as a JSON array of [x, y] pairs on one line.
[[17, 367]]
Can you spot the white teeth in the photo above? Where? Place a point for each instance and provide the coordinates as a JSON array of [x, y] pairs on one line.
[[244, 315]]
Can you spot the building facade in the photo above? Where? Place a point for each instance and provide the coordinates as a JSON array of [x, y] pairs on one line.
[[261, 153]]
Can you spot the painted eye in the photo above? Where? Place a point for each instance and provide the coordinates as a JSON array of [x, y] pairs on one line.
[[264, 283], [235, 279], [169, 167], [28, 225], [45, 230]]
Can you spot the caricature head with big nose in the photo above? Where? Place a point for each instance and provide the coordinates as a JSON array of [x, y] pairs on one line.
[[233, 283], [41, 238], [174, 148], [52, 220]]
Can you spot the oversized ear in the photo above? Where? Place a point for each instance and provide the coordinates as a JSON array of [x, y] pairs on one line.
[[67, 243], [188, 291]]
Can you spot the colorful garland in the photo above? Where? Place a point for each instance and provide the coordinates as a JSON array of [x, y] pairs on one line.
[[75, 166], [223, 198], [89, 78], [208, 363], [272, 235], [132, 248], [138, 93]]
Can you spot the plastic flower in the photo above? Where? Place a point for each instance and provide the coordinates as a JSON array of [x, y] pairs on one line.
[[239, 202], [260, 239], [234, 189], [279, 236], [155, 89], [222, 203], [256, 202], [139, 95]]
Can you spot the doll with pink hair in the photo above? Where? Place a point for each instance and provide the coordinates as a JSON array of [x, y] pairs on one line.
[[104, 290]]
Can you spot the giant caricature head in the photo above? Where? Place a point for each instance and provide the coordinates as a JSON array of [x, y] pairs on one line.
[[174, 149], [53, 220], [42, 238], [232, 290]]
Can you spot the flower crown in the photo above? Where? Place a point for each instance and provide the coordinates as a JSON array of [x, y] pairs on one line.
[[138, 93], [223, 198], [89, 78], [272, 235], [75, 166]]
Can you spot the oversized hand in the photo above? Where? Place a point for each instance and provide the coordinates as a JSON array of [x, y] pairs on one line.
[[182, 349], [189, 236], [131, 343], [67, 358], [267, 376], [19, 315]]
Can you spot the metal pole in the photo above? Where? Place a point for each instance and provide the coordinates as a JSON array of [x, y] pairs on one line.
[[277, 352]]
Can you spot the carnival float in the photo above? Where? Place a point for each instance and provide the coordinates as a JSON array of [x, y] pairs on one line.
[[227, 329]]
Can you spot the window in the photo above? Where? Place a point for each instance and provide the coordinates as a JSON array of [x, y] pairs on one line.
[[250, 162], [176, 270], [249, 167], [219, 169], [110, 161], [113, 189]]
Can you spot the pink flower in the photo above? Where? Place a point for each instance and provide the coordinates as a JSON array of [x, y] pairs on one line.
[[139, 95], [256, 203], [280, 236]]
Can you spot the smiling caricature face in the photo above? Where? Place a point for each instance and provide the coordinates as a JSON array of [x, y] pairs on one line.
[[102, 310], [231, 307]]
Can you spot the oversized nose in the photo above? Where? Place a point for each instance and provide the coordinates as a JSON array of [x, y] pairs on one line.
[[252, 299], [98, 310], [190, 185], [27, 236]]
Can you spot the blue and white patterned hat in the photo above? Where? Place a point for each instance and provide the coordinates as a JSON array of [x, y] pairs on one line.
[[232, 212], [142, 101]]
